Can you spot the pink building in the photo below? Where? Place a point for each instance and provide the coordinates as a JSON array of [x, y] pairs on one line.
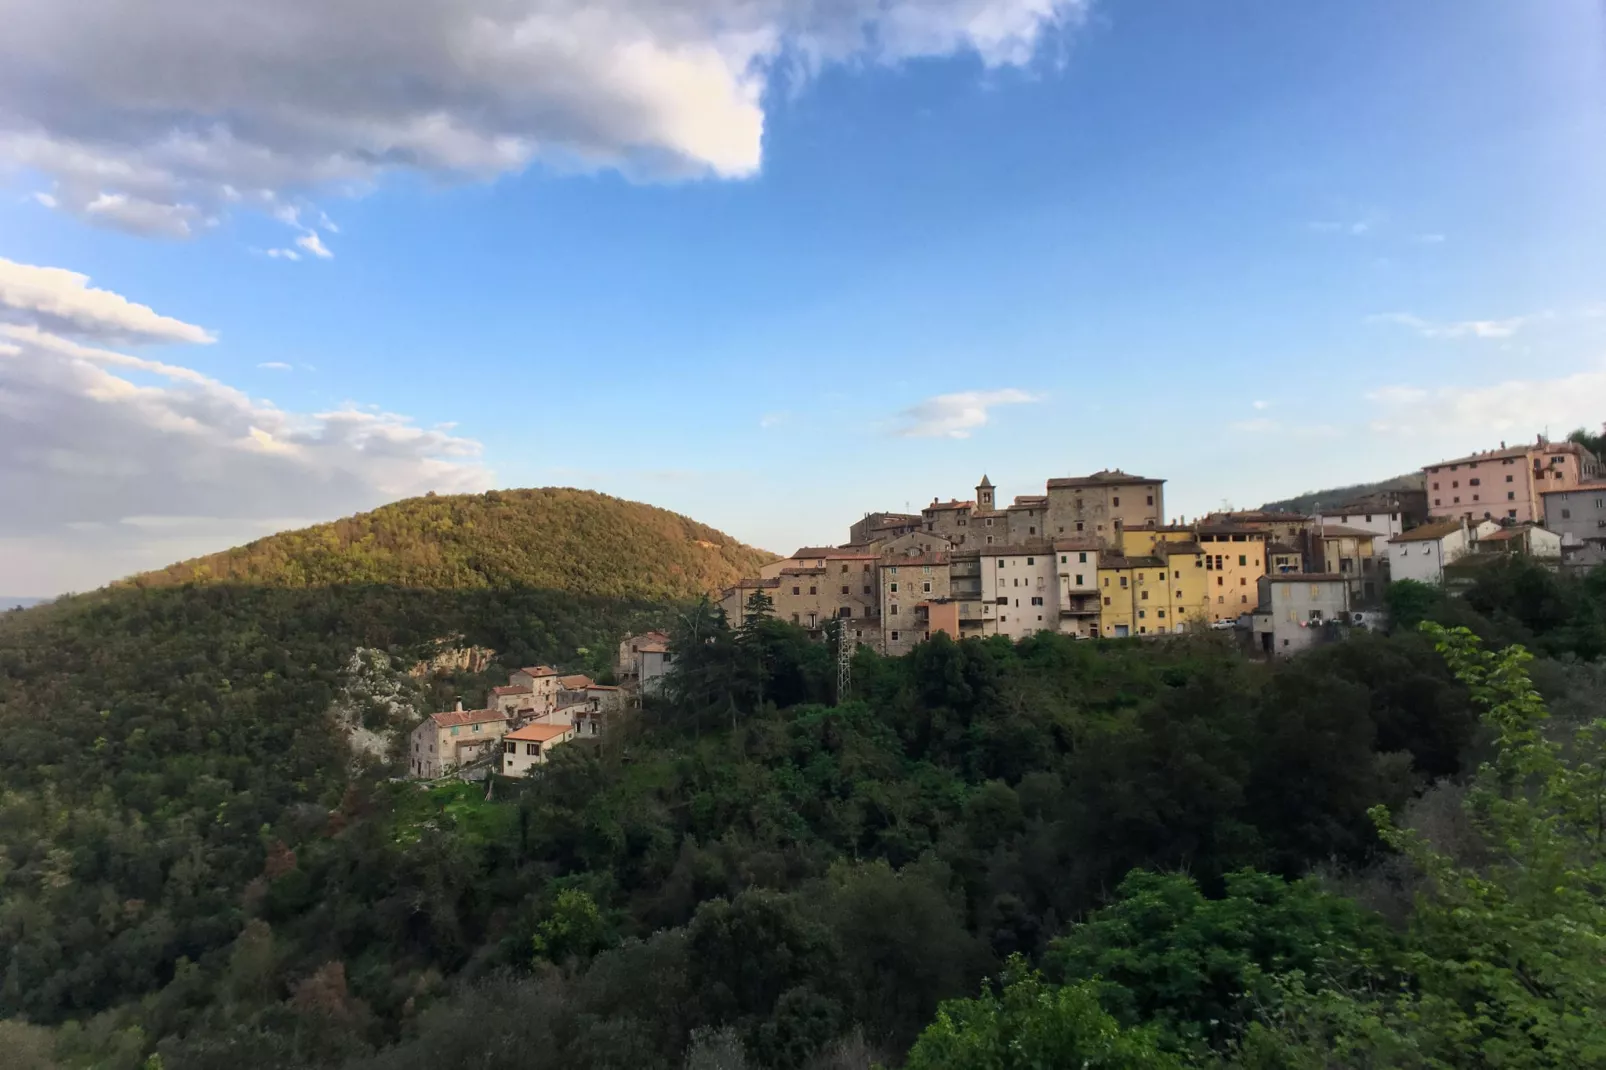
[[1506, 484]]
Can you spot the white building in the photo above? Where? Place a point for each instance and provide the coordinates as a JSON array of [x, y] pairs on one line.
[[1078, 600], [451, 740], [542, 680], [1297, 612], [1023, 583], [525, 748], [1421, 553]]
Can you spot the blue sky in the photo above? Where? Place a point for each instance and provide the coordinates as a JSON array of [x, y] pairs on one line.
[[1252, 247]]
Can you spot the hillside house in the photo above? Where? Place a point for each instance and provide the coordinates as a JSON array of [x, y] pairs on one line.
[[1422, 553], [1508, 483], [1297, 612], [448, 741], [643, 660], [523, 749], [1578, 515], [542, 680]]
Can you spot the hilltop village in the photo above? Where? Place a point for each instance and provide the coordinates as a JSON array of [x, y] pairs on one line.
[[1096, 557], [1091, 557]]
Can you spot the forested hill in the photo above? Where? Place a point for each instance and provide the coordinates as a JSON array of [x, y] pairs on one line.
[[551, 538], [1311, 499]]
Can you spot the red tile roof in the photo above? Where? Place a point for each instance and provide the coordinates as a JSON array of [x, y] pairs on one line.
[[577, 682], [463, 717], [540, 670], [1107, 478], [515, 690], [539, 733]]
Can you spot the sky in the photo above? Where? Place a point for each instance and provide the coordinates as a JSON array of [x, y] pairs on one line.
[[773, 263]]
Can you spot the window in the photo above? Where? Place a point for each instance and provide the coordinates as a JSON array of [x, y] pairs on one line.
[[893, 587], [454, 730], [1079, 527], [1079, 579], [1016, 582], [1368, 519], [797, 590], [1145, 596], [1106, 581], [893, 570], [1142, 613], [1179, 594], [1174, 575], [1512, 513], [1219, 599], [894, 609], [1315, 614], [1220, 582], [1037, 601], [1243, 599], [1508, 480], [1435, 502], [844, 590], [1160, 613], [844, 568], [1474, 482], [1116, 502], [1566, 514], [1000, 560], [1081, 559], [989, 521], [1063, 559], [1456, 483], [1106, 601], [510, 748], [894, 637], [927, 586], [1242, 582], [989, 540], [532, 748], [1031, 531], [1436, 486], [813, 590], [1151, 499], [1031, 560], [1243, 559], [1123, 581], [867, 589]]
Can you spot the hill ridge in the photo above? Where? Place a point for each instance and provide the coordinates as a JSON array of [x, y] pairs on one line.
[[556, 538]]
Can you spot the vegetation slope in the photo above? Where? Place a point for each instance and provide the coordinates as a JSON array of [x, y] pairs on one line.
[[552, 538]]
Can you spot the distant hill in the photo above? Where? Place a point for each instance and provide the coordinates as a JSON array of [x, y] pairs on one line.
[[1308, 502], [553, 539], [9, 602]]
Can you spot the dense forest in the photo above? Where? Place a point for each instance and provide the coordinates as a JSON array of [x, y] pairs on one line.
[[1110, 854], [553, 539]]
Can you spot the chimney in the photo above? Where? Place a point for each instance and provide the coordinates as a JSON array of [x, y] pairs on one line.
[[459, 705]]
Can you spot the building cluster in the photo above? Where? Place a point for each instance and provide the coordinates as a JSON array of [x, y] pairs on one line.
[[1095, 557], [540, 708]]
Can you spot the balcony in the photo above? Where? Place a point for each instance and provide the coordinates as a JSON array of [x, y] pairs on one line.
[[1080, 607]]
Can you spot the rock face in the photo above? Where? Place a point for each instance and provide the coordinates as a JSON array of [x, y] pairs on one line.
[[376, 704], [450, 657]]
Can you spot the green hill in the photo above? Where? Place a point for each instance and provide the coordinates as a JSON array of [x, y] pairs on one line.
[[552, 538], [1308, 501]]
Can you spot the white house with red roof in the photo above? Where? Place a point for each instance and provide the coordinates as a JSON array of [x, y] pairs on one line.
[[525, 748], [448, 741]]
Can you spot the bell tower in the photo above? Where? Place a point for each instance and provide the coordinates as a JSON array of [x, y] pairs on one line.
[[984, 495]]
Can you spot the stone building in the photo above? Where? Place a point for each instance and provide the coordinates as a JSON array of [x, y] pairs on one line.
[[1578, 515], [908, 582], [1102, 504], [1507, 484]]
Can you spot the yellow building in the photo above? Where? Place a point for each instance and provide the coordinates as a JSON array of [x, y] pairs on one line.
[[1235, 559], [1141, 541], [1154, 594]]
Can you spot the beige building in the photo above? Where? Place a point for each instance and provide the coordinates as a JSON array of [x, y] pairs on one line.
[[950, 519], [1294, 613], [1351, 553], [1021, 582], [1077, 599], [907, 582], [875, 527], [627, 664], [448, 741], [1282, 527], [1102, 504], [1507, 484], [523, 749], [542, 682], [1235, 559]]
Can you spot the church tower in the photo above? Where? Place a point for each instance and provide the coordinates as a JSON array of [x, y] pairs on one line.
[[984, 495]]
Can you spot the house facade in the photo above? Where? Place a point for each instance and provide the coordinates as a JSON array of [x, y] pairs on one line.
[[1235, 558], [1296, 612], [1102, 504], [526, 749], [1507, 484], [1578, 516], [448, 741], [1422, 553]]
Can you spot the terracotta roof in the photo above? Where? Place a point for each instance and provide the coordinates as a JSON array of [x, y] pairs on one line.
[[1166, 549], [1120, 562], [1307, 577], [1107, 478], [510, 690], [752, 583], [577, 682], [1228, 529], [1261, 516], [1039, 546], [539, 733], [540, 670], [463, 717], [1283, 548], [1512, 532], [1491, 455], [804, 571], [603, 687], [950, 504], [1429, 532], [1086, 542], [654, 648]]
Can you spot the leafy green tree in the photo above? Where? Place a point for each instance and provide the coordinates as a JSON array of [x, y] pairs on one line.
[[1504, 954], [1032, 1025], [573, 928]]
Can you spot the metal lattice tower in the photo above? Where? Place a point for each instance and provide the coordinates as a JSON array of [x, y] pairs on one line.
[[844, 662]]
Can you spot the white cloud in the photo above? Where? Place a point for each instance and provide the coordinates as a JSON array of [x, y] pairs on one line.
[[1429, 239], [156, 117], [1503, 328], [274, 366], [314, 245], [773, 419], [284, 254], [956, 415], [1354, 228], [86, 445], [1472, 416], [63, 302], [45, 199], [1259, 425], [1262, 405]]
